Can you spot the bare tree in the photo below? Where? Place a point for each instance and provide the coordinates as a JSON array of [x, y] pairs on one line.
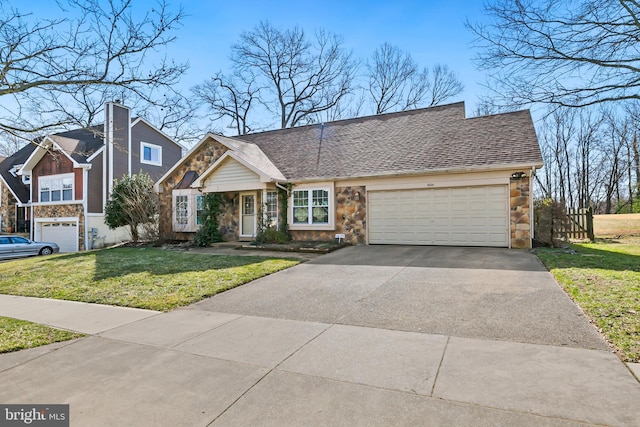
[[444, 84], [55, 71], [231, 97], [396, 82], [9, 144], [563, 52], [302, 77]]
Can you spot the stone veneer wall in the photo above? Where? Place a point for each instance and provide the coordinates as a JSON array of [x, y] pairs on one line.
[[200, 160], [520, 222], [7, 209], [230, 218], [63, 211], [351, 214]]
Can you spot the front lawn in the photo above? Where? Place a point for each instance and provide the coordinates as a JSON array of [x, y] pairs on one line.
[[604, 280], [149, 278], [17, 335]]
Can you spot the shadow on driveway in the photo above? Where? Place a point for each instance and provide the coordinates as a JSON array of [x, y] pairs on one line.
[[435, 256], [486, 293]]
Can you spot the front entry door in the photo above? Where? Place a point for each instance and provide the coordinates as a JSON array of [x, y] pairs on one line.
[[248, 215]]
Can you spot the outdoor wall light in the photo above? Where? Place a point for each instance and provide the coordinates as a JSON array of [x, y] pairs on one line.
[[356, 196], [518, 175]]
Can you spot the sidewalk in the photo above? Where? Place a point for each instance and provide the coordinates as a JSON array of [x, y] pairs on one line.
[[74, 316], [195, 367]]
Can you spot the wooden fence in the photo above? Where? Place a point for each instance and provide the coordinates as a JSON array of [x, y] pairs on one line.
[[579, 224]]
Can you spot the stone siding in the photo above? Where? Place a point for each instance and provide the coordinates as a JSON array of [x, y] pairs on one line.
[[229, 220], [351, 214], [520, 221], [199, 161], [64, 211], [7, 210]]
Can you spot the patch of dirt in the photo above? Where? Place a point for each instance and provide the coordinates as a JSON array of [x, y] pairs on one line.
[[296, 246]]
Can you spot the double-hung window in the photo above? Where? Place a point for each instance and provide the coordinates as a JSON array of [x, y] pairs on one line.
[[56, 188], [182, 210], [311, 206], [271, 208], [199, 210]]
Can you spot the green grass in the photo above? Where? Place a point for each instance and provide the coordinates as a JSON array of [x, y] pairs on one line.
[[604, 280], [134, 277], [18, 335]]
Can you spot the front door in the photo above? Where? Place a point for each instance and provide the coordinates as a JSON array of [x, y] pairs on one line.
[[248, 215]]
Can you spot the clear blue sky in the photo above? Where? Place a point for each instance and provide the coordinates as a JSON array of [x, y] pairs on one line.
[[432, 31]]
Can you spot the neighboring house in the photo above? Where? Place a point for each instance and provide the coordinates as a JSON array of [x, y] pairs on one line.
[[423, 177], [14, 193], [56, 189]]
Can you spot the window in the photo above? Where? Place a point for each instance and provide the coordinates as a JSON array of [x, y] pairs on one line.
[[182, 210], [188, 210], [199, 210], [271, 208], [150, 154], [56, 188], [311, 206]]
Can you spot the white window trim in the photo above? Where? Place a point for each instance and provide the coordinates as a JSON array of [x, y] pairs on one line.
[[191, 225], [61, 177], [195, 208], [265, 215], [144, 145], [327, 186]]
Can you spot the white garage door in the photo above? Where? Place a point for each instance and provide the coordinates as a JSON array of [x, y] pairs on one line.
[[64, 234], [459, 216]]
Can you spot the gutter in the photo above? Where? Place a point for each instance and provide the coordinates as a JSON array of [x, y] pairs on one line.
[[504, 167]]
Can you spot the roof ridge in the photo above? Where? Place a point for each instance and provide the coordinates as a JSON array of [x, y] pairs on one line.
[[360, 118]]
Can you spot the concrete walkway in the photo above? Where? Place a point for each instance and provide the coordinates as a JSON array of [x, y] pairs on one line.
[[203, 366]]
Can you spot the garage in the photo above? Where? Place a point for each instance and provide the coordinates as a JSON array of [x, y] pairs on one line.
[[64, 234], [455, 216]]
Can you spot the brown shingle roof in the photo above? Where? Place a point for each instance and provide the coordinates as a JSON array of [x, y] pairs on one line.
[[429, 139]]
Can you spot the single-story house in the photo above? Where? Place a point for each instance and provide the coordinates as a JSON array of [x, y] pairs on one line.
[[56, 188], [430, 176]]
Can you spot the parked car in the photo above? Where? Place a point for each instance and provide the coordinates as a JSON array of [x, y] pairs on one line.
[[18, 246]]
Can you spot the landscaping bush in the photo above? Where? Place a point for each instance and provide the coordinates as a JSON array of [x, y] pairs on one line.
[[209, 231]]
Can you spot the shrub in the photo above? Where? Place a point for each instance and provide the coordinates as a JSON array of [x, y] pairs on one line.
[[209, 231]]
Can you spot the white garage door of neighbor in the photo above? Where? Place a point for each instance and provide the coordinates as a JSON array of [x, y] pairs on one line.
[[457, 216], [64, 234]]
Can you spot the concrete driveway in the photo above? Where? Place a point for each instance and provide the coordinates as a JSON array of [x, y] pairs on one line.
[[466, 292], [363, 336]]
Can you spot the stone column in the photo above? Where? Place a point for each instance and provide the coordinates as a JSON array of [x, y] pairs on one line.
[[520, 218]]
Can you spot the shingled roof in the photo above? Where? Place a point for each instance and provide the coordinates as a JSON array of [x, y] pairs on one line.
[[417, 141], [14, 182], [80, 144]]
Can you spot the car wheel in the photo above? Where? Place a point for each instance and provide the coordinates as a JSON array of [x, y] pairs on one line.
[[46, 251]]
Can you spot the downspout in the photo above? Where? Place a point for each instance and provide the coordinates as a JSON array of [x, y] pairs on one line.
[[531, 211], [32, 224], [280, 186], [286, 191], [85, 205]]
